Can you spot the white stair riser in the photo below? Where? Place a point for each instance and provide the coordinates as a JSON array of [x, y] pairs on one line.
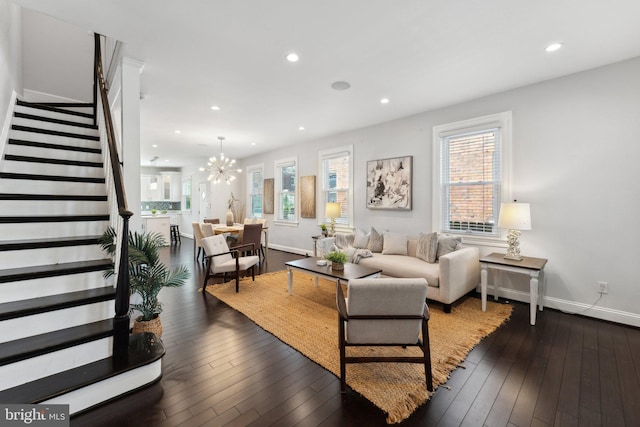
[[52, 153], [37, 288], [53, 207], [35, 368], [53, 139], [86, 397], [27, 326], [53, 115], [50, 187], [52, 229], [13, 166], [49, 256], [40, 124]]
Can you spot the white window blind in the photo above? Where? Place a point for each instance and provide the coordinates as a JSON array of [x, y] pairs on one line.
[[471, 178]]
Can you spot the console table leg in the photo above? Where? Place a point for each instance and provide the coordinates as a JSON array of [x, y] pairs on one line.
[[483, 286], [533, 285], [290, 278]]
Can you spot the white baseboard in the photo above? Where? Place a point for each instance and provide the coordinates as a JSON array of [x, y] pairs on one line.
[[36, 96], [291, 250], [571, 307]]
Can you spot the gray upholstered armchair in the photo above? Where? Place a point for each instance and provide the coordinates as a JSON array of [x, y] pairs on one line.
[[384, 312]]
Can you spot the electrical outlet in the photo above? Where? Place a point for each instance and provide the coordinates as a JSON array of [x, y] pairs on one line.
[[603, 287]]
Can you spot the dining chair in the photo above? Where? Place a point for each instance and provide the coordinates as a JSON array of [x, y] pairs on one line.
[[220, 260], [211, 220], [383, 312], [252, 234], [207, 229], [197, 239]]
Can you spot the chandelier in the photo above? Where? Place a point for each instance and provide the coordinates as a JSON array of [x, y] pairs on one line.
[[220, 168]]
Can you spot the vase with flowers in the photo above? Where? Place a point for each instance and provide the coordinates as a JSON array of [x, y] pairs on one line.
[[230, 217]]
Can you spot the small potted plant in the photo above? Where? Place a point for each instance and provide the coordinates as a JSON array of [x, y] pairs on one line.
[[323, 227], [337, 258], [147, 276]]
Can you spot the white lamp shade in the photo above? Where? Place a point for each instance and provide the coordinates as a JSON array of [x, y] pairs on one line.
[[332, 210], [515, 216]]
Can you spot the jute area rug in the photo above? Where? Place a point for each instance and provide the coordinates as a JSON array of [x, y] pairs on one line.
[[308, 322]]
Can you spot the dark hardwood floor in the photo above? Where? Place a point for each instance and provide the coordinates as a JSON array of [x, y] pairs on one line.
[[221, 369]]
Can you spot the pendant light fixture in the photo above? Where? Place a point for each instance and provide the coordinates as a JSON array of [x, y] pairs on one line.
[[221, 168]]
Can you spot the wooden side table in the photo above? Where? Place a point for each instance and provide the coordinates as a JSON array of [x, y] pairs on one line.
[[527, 265]]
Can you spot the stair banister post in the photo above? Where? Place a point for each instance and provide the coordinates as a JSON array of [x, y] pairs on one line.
[[121, 319]]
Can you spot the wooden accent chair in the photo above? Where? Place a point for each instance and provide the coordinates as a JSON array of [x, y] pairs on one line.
[[251, 235], [220, 260], [384, 312], [197, 239]]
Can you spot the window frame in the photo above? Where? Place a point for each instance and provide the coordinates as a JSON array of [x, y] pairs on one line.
[[183, 197], [502, 121], [323, 156], [251, 170], [278, 165]]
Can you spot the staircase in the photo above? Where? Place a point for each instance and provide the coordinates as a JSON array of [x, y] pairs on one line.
[[56, 308]]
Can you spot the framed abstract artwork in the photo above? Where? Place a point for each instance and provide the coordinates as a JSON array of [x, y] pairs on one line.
[[308, 196], [389, 183], [267, 196]]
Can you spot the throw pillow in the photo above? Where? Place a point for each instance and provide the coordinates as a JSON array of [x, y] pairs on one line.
[[375, 241], [447, 245], [427, 249], [394, 243], [361, 239]]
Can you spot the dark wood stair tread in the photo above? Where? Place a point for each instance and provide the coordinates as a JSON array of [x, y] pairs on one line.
[[77, 197], [144, 349], [37, 345], [52, 120], [53, 270], [54, 242], [49, 145], [48, 107], [37, 177], [28, 307], [48, 160], [51, 218], [54, 132]]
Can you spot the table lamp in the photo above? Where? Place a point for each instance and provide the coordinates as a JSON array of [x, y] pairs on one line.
[[332, 212], [515, 217]]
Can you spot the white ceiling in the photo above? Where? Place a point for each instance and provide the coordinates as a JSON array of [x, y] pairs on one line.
[[421, 54]]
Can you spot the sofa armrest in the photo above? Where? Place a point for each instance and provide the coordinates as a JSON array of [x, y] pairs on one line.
[[459, 273]]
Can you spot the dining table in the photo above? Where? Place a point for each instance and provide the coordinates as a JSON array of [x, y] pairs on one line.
[[237, 228]]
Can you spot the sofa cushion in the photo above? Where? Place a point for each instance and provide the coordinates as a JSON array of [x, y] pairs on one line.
[[427, 249], [404, 266], [375, 241], [361, 239], [447, 244], [394, 243]]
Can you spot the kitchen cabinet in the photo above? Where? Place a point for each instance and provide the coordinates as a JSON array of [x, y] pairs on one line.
[[167, 186], [158, 224]]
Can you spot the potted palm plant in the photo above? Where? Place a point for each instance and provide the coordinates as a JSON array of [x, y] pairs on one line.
[[147, 276], [337, 258]]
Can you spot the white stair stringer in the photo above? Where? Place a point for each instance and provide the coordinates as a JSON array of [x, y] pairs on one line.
[[27, 326], [47, 286], [33, 368]]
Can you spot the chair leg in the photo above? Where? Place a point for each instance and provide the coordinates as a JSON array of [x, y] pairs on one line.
[[426, 348], [343, 353], [253, 273]]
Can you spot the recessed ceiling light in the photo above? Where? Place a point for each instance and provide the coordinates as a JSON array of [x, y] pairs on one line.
[[154, 145], [166, 160], [215, 108], [292, 57], [384, 101], [340, 85], [253, 143], [301, 128], [553, 47], [176, 131]]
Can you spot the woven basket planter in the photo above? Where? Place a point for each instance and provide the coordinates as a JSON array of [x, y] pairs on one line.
[[154, 325], [337, 266]]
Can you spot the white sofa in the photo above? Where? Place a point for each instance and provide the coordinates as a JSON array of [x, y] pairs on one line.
[[451, 277]]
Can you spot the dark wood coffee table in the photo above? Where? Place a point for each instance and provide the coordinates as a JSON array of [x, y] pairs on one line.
[[310, 266]]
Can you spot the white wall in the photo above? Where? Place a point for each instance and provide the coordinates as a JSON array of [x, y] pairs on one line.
[[58, 58], [10, 60], [575, 159]]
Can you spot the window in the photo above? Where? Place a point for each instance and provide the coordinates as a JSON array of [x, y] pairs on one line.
[[186, 194], [254, 191], [286, 178], [336, 168], [470, 174]]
